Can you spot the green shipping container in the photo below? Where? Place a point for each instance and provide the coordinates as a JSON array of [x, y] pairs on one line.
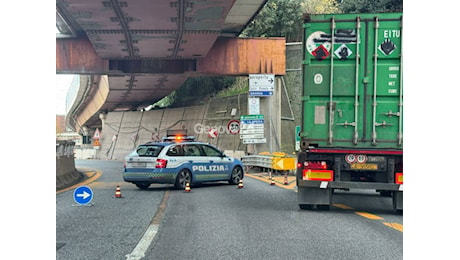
[[352, 78]]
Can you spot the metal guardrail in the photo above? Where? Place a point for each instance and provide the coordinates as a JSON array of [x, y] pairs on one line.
[[257, 160], [275, 161]]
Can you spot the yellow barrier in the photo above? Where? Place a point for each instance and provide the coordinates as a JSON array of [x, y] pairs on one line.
[[278, 161], [283, 163]]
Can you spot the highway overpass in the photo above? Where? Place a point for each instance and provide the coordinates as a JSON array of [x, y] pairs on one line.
[[131, 54]]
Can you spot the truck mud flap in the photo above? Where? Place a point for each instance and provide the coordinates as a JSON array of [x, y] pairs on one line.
[[310, 196]]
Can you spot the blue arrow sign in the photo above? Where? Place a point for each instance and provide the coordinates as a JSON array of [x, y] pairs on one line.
[[83, 195]]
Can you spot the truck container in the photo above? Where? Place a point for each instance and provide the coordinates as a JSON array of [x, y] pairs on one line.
[[352, 107]]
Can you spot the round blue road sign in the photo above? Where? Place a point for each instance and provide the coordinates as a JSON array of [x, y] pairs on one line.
[[83, 195]]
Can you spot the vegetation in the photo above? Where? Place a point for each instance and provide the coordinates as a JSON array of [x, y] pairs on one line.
[[284, 17], [371, 6], [195, 90]]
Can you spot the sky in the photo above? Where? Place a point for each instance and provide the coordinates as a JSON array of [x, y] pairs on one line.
[[62, 85]]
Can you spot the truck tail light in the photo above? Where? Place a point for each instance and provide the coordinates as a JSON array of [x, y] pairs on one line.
[[317, 175], [399, 178], [161, 163], [318, 165]]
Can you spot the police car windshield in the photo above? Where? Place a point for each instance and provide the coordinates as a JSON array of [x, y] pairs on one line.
[[149, 150]]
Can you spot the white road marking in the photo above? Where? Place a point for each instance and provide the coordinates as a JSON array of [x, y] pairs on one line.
[[139, 251]]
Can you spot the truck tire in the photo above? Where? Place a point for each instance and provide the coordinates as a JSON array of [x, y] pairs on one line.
[[306, 206], [323, 207], [386, 193]]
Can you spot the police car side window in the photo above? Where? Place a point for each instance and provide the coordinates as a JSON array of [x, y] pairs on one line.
[[149, 150], [175, 150], [211, 151], [192, 150]]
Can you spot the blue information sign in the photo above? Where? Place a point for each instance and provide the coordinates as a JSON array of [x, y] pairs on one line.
[[260, 93], [83, 195]]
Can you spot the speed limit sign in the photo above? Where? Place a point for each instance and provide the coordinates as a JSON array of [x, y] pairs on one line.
[[233, 127]]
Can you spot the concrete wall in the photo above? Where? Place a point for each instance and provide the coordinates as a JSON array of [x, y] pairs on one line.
[[66, 174], [123, 131], [292, 113]]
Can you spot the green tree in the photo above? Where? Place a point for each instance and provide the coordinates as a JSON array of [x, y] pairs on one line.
[[320, 7], [283, 18], [371, 6]]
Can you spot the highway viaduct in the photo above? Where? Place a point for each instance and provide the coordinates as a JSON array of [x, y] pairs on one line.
[[130, 54]]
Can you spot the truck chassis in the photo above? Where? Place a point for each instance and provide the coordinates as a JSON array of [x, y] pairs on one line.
[[321, 171]]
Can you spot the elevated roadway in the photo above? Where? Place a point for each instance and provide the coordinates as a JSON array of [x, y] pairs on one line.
[[131, 54]]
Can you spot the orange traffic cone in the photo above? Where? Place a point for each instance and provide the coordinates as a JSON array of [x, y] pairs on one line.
[[187, 187], [273, 182], [118, 192], [285, 180], [240, 184]]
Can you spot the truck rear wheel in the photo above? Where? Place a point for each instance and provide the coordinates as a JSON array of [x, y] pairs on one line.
[[323, 207], [306, 206]]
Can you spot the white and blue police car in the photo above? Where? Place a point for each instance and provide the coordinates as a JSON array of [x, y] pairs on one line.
[[180, 160]]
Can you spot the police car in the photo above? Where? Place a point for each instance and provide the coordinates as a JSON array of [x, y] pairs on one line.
[[179, 160]]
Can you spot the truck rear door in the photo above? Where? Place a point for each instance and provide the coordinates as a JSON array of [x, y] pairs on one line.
[[353, 80]]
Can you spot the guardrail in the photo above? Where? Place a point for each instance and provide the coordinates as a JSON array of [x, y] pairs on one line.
[[276, 161]]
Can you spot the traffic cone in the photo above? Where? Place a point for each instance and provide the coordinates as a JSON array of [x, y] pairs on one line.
[[273, 182], [187, 187], [285, 180], [118, 192], [240, 184]]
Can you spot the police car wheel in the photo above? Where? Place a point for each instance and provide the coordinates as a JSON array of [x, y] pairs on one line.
[[182, 178], [237, 175]]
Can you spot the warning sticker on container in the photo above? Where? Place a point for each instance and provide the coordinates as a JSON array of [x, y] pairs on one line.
[[319, 44], [343, 52], [387, 47]]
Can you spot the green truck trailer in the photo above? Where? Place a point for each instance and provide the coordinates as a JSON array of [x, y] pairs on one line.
[[352, 107]]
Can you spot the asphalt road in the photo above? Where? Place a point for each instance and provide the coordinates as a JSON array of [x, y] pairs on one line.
[[220, 221]]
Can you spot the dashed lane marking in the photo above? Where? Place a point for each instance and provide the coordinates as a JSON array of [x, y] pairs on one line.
[[396, 226], [368, 215], [292, 185], [342, 206]]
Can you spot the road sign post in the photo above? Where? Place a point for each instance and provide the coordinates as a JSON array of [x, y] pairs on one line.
[[83, 196], [252, 129], [261, 84], [233, 126]]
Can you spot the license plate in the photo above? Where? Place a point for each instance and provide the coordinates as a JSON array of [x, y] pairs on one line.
[[138, 164], [364, 166]]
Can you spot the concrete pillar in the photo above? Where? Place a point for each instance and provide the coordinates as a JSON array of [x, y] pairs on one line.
[[103, 116], [85, 131], [270, 107]]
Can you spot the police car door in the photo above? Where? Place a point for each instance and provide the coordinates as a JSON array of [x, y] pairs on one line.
[[221, 164], [199, 164]]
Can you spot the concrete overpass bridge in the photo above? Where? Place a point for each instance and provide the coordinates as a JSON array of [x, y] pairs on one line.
[[130, 54]]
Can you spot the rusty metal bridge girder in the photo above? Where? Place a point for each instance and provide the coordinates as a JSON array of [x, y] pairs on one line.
[[145, 49], [228, 56]]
